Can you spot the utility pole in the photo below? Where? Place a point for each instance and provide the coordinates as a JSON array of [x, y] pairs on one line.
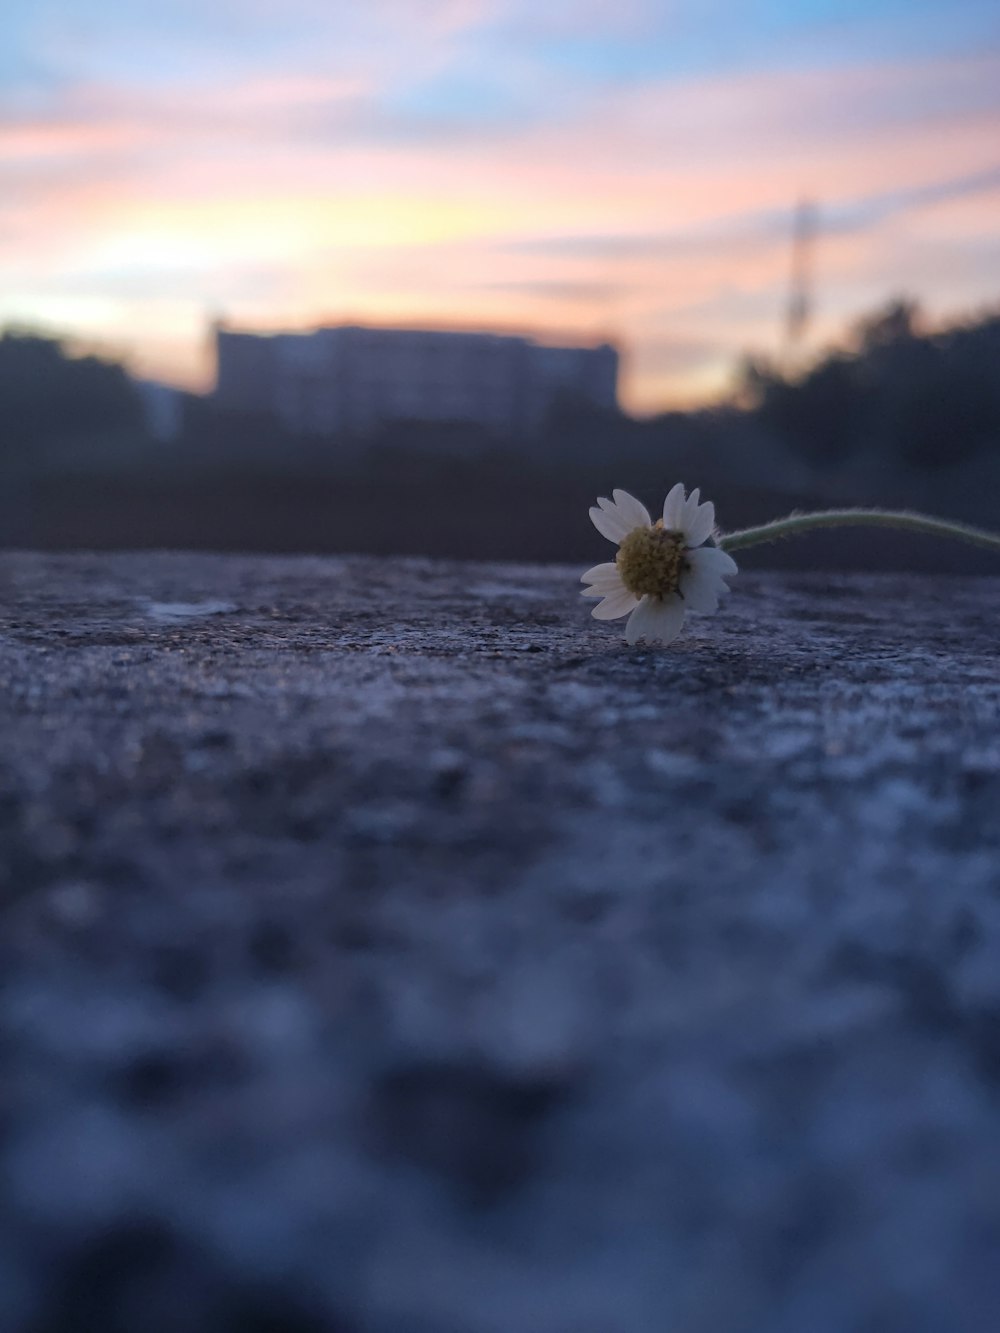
[[800, 290]]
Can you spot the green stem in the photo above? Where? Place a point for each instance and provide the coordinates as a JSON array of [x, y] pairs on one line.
[[873, 518]]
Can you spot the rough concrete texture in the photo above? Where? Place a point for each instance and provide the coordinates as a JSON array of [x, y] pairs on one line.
[[387, 948]]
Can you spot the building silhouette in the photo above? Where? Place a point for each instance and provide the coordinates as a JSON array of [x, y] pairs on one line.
[[353, 379]]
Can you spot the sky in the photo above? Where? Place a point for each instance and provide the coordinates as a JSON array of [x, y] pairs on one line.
[[576, 169]]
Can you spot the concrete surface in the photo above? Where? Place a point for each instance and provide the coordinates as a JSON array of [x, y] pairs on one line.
[[386, 948]]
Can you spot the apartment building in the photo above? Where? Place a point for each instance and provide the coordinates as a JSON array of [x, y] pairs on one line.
[[354, 379]]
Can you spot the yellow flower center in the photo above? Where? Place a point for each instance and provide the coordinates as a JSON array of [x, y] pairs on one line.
[[651, 561]]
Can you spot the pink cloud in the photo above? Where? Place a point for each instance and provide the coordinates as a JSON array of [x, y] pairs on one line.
[[290, 174]]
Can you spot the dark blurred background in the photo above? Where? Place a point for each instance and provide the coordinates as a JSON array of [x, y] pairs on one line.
[[897, 415], [429, 277]]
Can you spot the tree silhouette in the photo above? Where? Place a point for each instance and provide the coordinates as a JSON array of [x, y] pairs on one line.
[[47, 394], [926, 399]]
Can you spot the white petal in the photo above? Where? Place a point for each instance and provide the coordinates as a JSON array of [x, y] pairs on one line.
[[609, 523], [632, 510], [698, 522], [601, 573], [701, 587], [602, 589], [615, 604], [603, 584], [711, 558], [673, 509], [655, 619]]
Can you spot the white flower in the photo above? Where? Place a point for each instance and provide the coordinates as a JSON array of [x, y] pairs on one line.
[[662, 569]]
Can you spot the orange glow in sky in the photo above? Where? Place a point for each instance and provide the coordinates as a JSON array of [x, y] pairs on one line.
[[595, 171]]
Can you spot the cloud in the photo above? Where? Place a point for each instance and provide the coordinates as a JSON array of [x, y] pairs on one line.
[[759, 229], [588, 292], [424, 178], [876, 208]]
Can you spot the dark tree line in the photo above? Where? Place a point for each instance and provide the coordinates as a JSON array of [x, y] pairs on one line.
[[927, 399], [47, 394], [918, 398]]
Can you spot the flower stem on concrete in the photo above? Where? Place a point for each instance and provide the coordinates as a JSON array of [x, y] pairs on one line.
[[794, 524]]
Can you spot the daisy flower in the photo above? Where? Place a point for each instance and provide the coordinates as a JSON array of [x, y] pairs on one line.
[[662, 569]]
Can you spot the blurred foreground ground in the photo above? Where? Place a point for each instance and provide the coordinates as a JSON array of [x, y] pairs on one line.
[[386, 948]]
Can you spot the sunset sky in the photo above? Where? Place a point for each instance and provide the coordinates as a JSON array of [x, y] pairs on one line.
[[590, 168]]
